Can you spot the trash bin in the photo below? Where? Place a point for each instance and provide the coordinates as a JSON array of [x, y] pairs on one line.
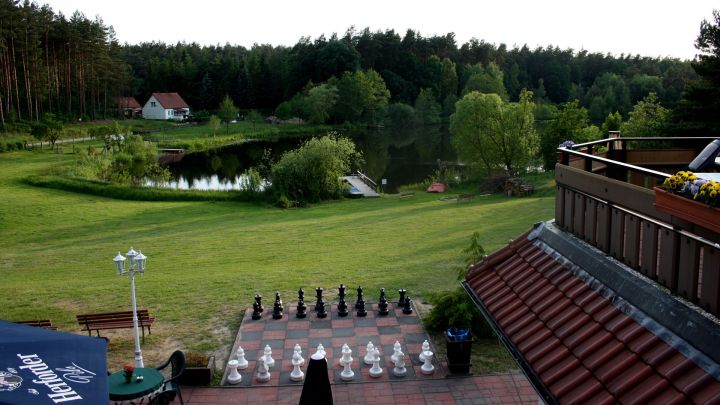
[[459, 346]]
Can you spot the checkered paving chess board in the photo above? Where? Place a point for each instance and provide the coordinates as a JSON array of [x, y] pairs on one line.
[[332, 332]]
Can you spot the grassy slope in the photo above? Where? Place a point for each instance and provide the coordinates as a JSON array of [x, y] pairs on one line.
[[207, 259]]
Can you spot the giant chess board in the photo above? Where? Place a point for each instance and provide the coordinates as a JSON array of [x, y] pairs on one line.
[[332, 332]]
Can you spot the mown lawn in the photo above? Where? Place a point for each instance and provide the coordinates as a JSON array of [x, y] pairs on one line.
[[206, 260]]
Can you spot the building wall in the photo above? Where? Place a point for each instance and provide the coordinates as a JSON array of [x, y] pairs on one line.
[[152, 110]]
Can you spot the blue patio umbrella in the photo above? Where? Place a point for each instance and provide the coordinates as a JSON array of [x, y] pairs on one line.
[[40, 366]]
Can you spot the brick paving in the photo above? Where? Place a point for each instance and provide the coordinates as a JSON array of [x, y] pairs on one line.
[[332, 332]]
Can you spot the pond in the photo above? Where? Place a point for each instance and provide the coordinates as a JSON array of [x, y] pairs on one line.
[[400, 156]]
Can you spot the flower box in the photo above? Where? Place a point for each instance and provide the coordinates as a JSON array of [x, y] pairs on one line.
[[687, 209], [194, 375]]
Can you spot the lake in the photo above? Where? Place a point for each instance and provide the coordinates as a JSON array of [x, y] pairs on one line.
[[401, 157]]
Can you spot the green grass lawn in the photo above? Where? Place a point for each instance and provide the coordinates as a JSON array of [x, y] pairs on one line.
[[206, 260]]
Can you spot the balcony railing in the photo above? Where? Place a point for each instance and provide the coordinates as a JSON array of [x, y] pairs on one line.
[[605, 197]]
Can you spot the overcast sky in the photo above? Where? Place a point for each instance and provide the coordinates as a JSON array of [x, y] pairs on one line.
[[649, 28]]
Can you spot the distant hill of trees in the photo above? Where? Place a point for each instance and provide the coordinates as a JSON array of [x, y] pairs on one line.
[[74, 67]]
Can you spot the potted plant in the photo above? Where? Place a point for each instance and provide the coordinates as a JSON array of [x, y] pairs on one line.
[[690, 198], [199, 369]]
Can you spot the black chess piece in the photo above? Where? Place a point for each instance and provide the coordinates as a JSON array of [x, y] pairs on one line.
[[321, 313], [402, 293], [361, 308], [407, 310], [319, 293], [301, 304], [382, 303], [341, 291], [256, 312], [277, 307], [359, 298], [258, 300]]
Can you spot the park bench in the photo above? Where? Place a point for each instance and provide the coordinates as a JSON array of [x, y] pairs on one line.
[[40, 323], [407, 195], [115, 320], [465, 197]]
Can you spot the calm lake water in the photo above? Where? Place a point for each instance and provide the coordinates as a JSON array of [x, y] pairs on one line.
[[400, 156]]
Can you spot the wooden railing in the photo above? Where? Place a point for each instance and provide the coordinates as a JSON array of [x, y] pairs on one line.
[[608, 202]]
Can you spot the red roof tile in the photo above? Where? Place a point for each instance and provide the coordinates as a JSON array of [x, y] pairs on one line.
[[170, 100], [573, 340], [128, 102]]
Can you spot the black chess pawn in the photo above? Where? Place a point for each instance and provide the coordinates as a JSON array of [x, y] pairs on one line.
[[359, 298], [407, 310], [256, 312], [301, 304], [382, 303], [258, 300], [402, 293], [319, 293], [321, 313], [277, 307]]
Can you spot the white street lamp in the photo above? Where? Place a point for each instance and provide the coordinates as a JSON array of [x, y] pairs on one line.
[[135, 265]]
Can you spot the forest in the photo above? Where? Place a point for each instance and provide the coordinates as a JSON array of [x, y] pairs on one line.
[[76, 68]]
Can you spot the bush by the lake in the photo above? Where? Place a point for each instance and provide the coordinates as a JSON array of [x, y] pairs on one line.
[[312, 172]]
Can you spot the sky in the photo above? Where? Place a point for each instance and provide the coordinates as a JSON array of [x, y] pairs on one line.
[[658, 28]]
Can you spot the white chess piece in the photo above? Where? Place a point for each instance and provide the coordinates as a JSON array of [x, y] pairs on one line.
[[298, 350], [242, 362], [234, 377], [321, 350], [376, 370], [369, 356], [425, 348], [296, 374], [267, 356], [396, 349], [346, 361], [263, 374], [427, 367], [400, 370]]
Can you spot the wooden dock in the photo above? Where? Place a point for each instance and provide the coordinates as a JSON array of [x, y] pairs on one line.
[[358, 183]]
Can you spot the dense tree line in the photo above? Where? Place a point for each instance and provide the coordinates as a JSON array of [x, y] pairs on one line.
[[74, 67]]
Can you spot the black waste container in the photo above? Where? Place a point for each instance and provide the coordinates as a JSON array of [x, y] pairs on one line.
[[459, 346]]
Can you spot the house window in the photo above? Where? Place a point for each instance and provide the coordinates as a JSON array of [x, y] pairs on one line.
[[153, 104]]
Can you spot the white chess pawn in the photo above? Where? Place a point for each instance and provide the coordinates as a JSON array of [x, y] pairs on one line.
[[427, 367], [425, 348], [320, 350], [400, 370], [346, 361], [234, 377], [298, 350], [267, 356], [296, 374], [242, 362], [369, 356], [263, 374], [396, 349], [376, 370]]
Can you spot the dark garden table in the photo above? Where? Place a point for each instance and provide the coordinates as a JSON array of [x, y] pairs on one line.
[[135, 392]]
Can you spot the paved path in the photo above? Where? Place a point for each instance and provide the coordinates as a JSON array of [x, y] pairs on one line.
[[488, 389]]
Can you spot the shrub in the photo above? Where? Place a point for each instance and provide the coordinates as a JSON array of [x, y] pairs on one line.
[[455, 308], [312, 172]]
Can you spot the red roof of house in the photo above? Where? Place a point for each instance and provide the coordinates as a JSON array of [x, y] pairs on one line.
[[128, 102], [573, 339], [170, 100]]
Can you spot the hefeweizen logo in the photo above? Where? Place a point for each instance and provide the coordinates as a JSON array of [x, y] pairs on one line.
[[9, 381]]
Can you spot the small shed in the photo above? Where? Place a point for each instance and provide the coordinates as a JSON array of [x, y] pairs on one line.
[[166, 106], [129, 107]]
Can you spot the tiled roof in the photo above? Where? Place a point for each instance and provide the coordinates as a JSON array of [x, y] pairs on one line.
[[577, 340], [128, 102], [170, 100]]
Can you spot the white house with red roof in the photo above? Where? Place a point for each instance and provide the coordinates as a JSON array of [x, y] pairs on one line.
[[166, 106]]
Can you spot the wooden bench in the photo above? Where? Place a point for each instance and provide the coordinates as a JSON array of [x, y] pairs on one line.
[[407, 195], [40, 323], [115, 320], [465, 197]]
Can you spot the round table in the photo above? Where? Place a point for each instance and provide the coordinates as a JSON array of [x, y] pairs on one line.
[[135, 392]]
